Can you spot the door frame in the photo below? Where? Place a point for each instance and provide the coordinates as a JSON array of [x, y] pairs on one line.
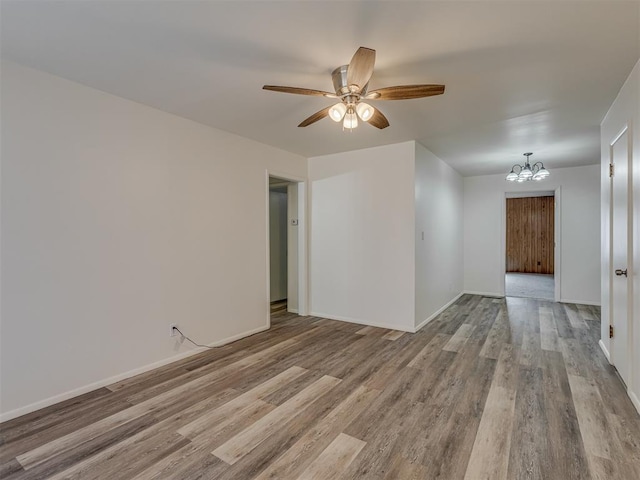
[[557, 238], [303, 294], [630, 333]]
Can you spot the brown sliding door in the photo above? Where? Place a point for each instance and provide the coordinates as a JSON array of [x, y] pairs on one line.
[[530, 234]]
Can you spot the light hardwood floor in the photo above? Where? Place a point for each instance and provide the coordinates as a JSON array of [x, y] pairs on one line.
[[491, 389]]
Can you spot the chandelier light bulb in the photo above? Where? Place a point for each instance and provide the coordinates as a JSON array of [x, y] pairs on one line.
[[526, 172]]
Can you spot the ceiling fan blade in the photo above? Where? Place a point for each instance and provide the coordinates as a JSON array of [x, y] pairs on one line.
[[315, 117], [378, 120], [405, 92], [299, 91], [361, 67]]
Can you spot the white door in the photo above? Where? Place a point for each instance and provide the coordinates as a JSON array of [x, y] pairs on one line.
[[620, 255]]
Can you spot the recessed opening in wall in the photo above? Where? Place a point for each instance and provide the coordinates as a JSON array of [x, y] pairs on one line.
[[283, 240], [530, 245]]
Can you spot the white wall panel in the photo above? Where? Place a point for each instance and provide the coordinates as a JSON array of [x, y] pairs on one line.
[[362, 236], [117, 220]]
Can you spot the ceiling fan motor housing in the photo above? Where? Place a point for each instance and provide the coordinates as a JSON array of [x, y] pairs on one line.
[[339, 77]]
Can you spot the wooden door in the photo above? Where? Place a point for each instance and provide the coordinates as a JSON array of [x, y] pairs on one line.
[[530, 228]]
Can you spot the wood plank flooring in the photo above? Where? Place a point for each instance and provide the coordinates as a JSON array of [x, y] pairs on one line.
[[510, 388]]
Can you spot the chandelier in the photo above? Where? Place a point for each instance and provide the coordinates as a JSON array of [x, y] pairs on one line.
[[526, 172]]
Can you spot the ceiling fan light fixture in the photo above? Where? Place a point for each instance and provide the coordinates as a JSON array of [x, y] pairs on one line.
[[350, 119], [337, 112], [365, 111]]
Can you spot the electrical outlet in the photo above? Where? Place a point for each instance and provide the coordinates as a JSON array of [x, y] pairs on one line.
[[172, 327]]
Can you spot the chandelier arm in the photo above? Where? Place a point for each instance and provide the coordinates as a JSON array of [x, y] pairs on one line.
[[537, 166]]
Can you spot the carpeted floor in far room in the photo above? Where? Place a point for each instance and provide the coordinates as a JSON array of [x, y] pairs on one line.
[[530, 285]]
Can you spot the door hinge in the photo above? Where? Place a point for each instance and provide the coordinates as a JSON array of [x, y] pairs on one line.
[[610, 331], [611, 169]]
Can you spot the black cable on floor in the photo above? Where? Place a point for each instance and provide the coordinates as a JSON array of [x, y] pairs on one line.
[[196, 344]]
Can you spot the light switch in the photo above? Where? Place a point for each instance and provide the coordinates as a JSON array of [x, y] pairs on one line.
[[294, 222]]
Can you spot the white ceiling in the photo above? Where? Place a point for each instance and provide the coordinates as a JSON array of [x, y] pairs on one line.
[[520, 75]]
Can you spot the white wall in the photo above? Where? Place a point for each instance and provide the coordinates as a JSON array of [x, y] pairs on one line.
[[438, 234], [278, 244], [624, 111], [362, 236], [116, 223], [484, 200]]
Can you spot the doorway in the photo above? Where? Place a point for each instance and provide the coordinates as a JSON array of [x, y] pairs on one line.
[[278, 245], [286, 267], [530, 245]]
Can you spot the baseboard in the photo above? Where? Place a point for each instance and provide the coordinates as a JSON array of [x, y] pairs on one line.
[[439, 311], [484, 294], [632, 396], [362, 322], [116, 378], [239, 336], [563, 300], [293, 310], [580, 302], [604, 350], [634, 400]]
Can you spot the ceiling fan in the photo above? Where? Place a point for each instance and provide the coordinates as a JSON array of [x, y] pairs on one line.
[[351, 83]]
